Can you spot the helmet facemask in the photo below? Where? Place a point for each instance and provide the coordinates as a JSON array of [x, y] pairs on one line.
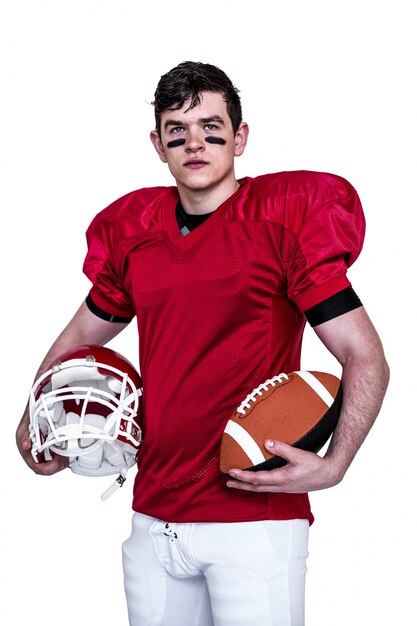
[[85, 410]]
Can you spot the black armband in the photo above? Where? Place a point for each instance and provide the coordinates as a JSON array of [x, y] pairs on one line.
[[342, 302], [108, 317]]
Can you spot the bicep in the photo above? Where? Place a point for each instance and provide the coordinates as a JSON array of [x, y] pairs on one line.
[[84, 328], [350, 334], [87, 328]]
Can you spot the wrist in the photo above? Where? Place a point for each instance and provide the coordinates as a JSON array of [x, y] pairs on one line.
[[336, 469]]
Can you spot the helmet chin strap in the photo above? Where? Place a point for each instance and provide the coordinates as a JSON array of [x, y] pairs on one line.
[[119, 482], [121, 479]]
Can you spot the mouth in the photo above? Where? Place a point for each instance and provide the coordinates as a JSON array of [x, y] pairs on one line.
[[195, 164]]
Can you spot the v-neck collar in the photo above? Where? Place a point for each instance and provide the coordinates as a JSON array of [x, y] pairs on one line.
[[171, 225]]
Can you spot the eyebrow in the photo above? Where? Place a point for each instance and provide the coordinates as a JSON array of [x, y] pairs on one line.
[[213, 118], [202, 120]]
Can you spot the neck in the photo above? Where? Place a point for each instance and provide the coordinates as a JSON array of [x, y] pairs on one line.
[[200, 201]]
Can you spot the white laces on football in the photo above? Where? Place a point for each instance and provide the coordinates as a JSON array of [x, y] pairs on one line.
[[258, 392]]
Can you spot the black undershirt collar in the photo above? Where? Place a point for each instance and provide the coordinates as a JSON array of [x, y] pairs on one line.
[[189, 221]]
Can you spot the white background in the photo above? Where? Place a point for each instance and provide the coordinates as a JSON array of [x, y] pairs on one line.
[[326, 86]]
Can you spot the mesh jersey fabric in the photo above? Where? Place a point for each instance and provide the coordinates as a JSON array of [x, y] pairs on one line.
[[218, 311]]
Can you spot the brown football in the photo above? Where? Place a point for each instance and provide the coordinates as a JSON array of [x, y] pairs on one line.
[[299, 408]]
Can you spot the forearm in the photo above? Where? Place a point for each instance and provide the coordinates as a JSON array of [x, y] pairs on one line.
[[365, 379], [364, 386]]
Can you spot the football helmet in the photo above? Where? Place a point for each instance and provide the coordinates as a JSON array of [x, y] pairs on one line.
[[88, 407]]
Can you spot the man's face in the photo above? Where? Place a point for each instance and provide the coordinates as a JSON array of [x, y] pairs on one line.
[[199, 144]]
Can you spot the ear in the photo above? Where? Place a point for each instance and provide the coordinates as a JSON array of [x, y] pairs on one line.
[[157, 144], [241, 138]]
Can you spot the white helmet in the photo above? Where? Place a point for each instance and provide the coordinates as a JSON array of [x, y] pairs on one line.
[[88, 407]]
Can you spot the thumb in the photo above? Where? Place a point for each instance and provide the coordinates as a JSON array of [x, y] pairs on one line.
[[279, 448]]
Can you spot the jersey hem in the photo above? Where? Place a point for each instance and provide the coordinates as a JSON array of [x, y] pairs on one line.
[[106, 306], [320, 292], [207, 519]]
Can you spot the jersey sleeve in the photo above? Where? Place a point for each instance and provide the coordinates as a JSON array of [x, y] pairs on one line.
[[107, 295], [328, 242]]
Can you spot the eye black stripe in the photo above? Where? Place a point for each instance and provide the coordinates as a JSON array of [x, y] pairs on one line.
[[175, 143], [217, 140]]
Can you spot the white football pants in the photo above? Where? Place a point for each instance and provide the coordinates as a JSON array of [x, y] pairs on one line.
[[215, 574]]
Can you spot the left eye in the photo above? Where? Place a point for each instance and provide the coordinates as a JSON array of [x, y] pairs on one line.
[[210, 127]]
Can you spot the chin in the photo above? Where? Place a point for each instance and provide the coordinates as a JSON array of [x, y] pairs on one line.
[[197, 183], [201, 181]]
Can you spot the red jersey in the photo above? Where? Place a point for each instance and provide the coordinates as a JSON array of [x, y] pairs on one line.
[[218, 312]]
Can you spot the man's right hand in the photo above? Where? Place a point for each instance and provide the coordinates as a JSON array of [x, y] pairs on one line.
[[24, 445]]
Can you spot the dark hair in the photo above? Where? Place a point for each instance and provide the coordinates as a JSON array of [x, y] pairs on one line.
[[187, 81]]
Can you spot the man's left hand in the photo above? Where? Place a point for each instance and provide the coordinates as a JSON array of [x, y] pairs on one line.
[[305, 471]]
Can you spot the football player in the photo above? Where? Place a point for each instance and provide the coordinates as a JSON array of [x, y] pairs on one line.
[[221, 275]]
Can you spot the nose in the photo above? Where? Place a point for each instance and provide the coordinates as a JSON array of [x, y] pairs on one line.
[[195, 141]]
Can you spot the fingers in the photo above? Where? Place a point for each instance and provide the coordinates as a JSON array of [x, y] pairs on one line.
[[263, 481], [279, 448], [26, 444], [47, 468], [255, 481], [295, 477]]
